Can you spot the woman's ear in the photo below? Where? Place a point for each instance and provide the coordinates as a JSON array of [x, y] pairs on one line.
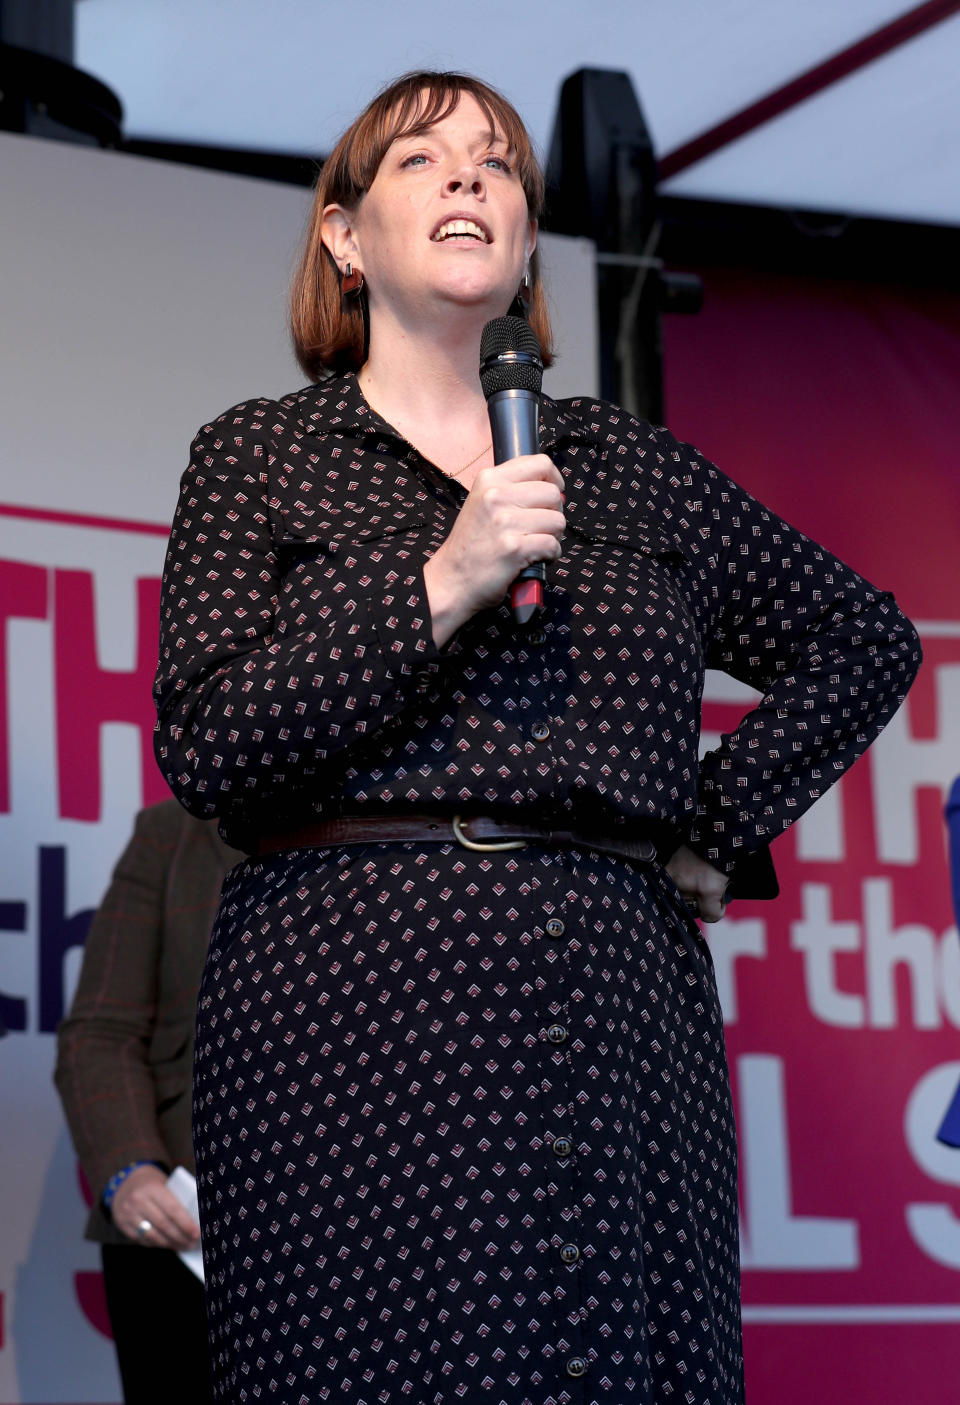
[[532, 239], [336, 231]]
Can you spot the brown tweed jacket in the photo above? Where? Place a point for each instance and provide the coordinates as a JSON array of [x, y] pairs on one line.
[[125, 1051]]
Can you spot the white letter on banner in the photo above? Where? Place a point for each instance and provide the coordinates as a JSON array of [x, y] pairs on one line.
[[900, 766], [819, 938], [950, 975], [913, 946], [728, 940], [935, 1228], [819, 832], [776, 1238]]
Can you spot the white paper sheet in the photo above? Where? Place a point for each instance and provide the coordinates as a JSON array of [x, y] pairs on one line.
[[184, 1187]]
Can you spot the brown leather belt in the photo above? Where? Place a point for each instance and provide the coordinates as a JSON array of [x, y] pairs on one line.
[[482, 833]]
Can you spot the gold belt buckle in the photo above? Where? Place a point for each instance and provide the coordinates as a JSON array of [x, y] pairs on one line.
[[485, 846]]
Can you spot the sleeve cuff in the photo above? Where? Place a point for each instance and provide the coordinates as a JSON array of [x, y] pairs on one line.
[[754, 877], [404, 630], [751, 872], [118, 1178]]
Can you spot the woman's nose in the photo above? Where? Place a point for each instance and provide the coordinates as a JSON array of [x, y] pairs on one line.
[[466, 177]]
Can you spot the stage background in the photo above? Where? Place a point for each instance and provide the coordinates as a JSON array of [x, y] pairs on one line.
[[142, 298]]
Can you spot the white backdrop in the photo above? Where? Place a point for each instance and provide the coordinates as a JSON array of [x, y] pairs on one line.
[[289, 76], [138, 299]]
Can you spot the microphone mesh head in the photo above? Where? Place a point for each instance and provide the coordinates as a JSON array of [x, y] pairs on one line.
[[510, 357]]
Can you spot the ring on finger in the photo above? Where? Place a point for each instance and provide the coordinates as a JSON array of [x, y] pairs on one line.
[[144, 1228], [692, 905]]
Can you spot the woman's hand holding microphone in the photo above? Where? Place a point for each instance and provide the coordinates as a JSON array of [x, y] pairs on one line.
[[512, 517]]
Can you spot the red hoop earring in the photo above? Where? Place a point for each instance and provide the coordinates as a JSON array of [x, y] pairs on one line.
[[351, 281]]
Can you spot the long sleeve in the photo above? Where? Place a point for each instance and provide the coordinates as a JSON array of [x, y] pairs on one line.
[[263, 685], [832, 656], [102, 1071]]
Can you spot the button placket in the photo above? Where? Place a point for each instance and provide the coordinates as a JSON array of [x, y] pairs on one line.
[[563, 1208]]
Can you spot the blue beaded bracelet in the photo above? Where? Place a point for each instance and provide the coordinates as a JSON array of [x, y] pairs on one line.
[[118, 1178]]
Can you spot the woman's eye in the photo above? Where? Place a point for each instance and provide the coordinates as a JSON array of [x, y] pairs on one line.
[[499, 162], [416, 159]]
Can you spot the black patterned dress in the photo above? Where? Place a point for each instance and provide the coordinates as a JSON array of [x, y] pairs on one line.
[[462, 1121]]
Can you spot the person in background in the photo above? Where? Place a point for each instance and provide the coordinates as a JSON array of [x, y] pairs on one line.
[[950, 1126], [124, 1074]]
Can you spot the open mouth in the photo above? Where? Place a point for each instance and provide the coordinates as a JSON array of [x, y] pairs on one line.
[[460, 230]]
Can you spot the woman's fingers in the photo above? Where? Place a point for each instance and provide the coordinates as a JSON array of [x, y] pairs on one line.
[[527, 496], [536, 522], [526, 468], [511, 495], [710, 907], [702, 887], [535, 548]]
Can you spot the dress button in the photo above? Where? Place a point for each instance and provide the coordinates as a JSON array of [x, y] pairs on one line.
[[536, 637], [423, 680], [569, 1253], [555, 927], [556, 1034], [576, 1367], [562, 1147], [539, 731]]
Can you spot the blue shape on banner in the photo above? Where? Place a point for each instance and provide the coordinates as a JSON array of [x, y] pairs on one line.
[[13, 1009], [950, 1126], [58, 934]]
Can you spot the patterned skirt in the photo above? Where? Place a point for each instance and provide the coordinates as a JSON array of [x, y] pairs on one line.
[[463, 1134]]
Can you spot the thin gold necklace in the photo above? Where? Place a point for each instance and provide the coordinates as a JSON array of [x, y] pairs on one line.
[[470, 461], [457, 474]]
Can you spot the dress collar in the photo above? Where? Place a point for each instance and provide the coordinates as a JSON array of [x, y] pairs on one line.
[[337, 407]]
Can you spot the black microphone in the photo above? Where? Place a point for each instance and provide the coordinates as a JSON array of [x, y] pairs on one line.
[[511, 373]]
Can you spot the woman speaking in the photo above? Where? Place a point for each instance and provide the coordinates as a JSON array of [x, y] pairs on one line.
[[462, 1117]]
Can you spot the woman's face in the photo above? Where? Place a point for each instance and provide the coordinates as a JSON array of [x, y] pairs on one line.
[[445, 220]]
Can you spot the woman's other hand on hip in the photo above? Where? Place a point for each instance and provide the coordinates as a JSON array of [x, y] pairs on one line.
[[702, 887]]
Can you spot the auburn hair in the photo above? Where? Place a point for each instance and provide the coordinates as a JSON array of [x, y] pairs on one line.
[[328, 329]]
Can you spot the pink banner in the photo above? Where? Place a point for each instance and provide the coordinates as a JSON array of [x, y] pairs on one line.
[[837, 405]]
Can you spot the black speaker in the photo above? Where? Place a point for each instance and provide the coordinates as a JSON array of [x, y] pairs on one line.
[[602, 184], [45, 97]]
